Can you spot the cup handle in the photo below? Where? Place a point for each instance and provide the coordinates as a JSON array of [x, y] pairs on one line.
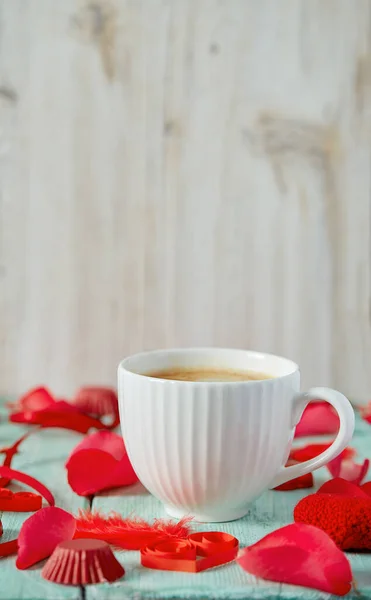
[[346, 415]]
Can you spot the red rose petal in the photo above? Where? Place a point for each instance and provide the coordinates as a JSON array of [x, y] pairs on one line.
[[312, 450], [366, 412], [107, 441], [10, 547], [36, 399], [98, 401], [38, 407], [334, 466], [41, 534], [352, 472], [299, 554], [319, 418], [302, 482], [342, 487], [98, 463], [348, 469], [89, 471], [61, 414]]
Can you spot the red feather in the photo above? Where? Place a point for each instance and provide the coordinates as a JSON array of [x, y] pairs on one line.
[[128, 534]]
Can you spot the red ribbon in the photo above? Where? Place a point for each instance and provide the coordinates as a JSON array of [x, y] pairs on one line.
[[20, 501], [30, 481], [212, 542], [8, 548], [199, 552], [9, 454]]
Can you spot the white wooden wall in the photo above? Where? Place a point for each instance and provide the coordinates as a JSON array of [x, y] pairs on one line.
[[184, 172]]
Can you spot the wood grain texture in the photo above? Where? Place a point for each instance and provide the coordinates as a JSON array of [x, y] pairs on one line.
[[193, 172], [43, 456], [271, 511]]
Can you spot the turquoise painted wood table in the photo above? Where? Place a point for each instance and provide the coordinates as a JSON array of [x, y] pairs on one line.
[[43, 456]]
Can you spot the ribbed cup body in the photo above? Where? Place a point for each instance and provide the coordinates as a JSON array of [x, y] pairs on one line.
[[207, 449]]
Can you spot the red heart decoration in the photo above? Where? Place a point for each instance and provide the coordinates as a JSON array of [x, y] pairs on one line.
[[366, 487], [346, 519], [199, 552]]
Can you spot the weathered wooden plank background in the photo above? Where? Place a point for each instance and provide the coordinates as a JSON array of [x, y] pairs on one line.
[[177, 172]]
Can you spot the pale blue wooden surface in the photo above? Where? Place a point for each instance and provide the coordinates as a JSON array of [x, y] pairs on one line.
[[43, 456]]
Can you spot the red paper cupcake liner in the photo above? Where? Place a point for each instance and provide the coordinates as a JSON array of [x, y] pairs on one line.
[[82, 562], [96, 400]]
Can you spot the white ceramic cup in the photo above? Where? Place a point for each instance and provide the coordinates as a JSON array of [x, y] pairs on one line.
[[207, 449]]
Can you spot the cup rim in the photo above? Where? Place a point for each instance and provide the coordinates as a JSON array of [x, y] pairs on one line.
[[148, 353]]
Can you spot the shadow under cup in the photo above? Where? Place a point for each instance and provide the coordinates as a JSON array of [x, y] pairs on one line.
[[207, 449]]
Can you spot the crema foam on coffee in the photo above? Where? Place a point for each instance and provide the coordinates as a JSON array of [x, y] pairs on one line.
[[208, 374]]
